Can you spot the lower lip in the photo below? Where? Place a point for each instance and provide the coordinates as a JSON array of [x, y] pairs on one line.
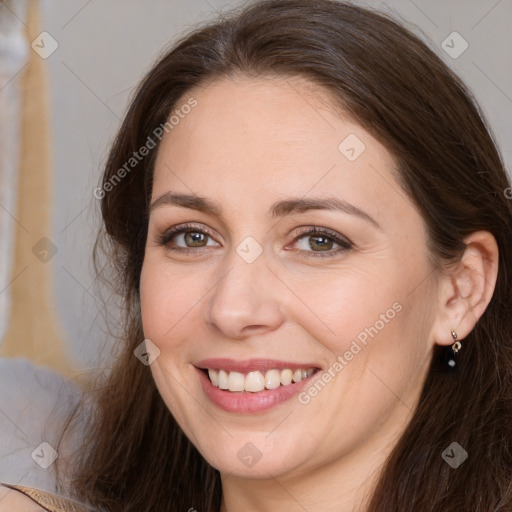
[[247, 402]]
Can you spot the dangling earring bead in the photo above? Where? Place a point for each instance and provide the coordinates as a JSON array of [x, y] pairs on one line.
[[455, 348]]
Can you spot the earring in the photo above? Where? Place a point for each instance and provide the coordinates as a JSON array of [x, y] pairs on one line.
[[455, 348]]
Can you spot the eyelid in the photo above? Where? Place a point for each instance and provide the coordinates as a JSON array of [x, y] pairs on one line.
[[337, 237], [344, 243], [183, 228]]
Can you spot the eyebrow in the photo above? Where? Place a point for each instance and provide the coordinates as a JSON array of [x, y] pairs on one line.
[[278, 209]]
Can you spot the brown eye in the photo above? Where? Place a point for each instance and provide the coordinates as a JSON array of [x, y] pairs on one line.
[[185, 237], [194, 238], [321, 243]]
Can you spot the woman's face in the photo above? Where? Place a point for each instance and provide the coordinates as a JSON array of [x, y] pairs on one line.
[[301, 252]]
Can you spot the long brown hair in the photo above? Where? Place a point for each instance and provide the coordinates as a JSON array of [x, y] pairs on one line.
[[135, 457]]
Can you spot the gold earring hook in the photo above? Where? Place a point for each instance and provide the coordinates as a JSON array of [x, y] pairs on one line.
[[457, 345]]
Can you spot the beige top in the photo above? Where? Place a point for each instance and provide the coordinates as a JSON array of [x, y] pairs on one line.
[[50, 502]]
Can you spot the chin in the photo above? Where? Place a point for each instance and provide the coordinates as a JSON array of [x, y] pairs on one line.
[[255, 457]]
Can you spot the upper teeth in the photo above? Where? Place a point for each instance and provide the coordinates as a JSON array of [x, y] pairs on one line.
[[256, 381]]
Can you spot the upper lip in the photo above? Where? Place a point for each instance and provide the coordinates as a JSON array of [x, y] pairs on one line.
[[250, 365]]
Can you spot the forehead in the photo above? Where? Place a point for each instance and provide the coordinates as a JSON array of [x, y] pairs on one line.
[[259, 139], [268, 116]]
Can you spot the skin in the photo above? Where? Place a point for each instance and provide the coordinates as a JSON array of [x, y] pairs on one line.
[[248, 143]]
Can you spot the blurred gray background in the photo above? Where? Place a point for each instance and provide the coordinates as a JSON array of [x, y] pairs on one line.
[[105, 48]]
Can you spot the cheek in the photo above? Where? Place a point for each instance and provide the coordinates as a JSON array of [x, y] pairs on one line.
[[165, 307], [376, 362], [346, 305], [370, 326], [166, 299]]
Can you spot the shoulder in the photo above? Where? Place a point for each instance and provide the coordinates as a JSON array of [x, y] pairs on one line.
[[12, 500], [18, 498]]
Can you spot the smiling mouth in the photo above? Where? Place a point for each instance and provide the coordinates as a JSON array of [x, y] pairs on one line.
[[256, 381]]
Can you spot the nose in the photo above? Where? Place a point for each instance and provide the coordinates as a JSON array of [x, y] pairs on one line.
[[245, 301]]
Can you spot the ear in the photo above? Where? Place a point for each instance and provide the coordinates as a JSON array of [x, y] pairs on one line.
[[466, 288]]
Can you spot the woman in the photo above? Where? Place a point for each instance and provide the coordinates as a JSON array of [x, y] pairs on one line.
[[309, 220]]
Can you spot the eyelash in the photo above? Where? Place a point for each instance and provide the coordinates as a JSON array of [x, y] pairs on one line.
[[345, 244]]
